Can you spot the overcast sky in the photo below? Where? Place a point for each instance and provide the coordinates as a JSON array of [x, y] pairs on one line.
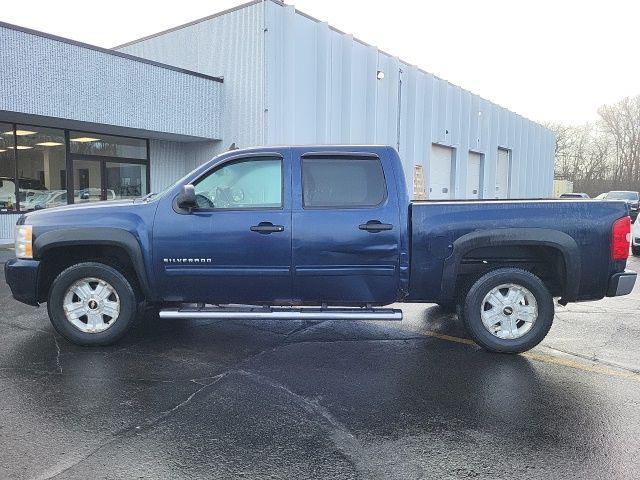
[[549, 60]]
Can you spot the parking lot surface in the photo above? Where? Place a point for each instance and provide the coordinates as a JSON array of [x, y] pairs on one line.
[[416, 399]]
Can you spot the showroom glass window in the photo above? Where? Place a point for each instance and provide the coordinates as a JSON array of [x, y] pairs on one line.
[[107, 167], [42, 165], [7, 169]]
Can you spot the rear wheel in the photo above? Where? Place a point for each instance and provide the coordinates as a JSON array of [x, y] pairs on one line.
[[92, 304], [508, 310], [636, 250]]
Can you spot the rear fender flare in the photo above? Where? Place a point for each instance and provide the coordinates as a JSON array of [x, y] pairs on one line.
[[514, 236]]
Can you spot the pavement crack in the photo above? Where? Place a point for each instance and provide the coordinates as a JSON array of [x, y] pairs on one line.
[[345, 441], [57, 354], [131, 430], [302, 328], [183, 403]]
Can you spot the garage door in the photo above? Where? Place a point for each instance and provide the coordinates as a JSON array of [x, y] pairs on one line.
[[440, 173], [474, 178], [503, 171]]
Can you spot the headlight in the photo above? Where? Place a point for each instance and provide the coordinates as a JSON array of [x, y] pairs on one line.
[[24, 245]]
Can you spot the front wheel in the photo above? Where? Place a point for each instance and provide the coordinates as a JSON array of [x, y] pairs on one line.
[[91, 304], [508, 310], [636, 250]]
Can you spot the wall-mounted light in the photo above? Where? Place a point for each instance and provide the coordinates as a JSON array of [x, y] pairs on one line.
[[21, 147], [380, 75], [50, 144], [3, 150], [84, 139]]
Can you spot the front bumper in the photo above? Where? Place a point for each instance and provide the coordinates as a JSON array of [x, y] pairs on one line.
[[621, 283], [22, 277]]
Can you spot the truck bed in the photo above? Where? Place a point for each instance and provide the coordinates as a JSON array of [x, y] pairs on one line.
[[436, 227]]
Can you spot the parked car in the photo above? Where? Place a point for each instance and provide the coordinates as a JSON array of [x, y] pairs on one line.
[[631, 198], [635, 243], [317, 233], [92, 195], [574, 195], [28, 187], [44, 199]]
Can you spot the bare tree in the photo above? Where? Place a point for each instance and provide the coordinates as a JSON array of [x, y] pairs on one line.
[[604, 155]]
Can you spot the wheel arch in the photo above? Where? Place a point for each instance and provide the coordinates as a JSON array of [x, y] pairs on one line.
[[94, 238], [515, 237]]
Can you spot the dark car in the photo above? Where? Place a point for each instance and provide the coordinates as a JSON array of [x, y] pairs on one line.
[[630, 197], [574, 195]]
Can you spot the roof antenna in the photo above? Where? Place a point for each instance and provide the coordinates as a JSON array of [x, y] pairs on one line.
[[233, 146]]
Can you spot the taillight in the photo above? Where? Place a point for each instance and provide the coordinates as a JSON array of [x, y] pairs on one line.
[[620, 239]]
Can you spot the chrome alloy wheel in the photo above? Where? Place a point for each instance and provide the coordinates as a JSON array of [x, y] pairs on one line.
[[509, 311], [91, 305]]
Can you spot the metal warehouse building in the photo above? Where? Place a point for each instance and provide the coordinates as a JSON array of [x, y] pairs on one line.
[[79, 123]]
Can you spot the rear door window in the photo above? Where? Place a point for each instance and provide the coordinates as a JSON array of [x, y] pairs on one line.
[[347, 182]]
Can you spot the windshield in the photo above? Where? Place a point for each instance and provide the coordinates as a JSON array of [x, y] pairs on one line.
[[633, 196]]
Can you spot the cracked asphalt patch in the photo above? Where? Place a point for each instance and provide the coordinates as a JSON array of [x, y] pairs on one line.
[[216, 399]]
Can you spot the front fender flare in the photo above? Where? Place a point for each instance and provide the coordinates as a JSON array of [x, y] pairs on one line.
[[97, 236], [512, 237]]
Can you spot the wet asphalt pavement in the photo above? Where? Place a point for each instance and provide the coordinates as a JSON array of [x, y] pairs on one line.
[[216, 399]]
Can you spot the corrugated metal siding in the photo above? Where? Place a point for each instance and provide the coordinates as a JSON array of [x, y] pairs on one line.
[[322, 88], [7, 227], [57, 79], [230, 46], [170, 161]]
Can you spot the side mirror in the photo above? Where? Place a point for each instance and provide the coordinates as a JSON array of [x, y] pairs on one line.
[[187, 198]]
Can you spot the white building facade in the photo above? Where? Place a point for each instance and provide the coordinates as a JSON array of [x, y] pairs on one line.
[[265, 74]]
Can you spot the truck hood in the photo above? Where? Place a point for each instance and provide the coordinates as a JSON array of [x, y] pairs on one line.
[[78, 207], [85, 213]]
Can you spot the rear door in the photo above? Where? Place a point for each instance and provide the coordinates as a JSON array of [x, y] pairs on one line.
[[346, 230]]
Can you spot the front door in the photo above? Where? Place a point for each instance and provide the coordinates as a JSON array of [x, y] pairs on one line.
[[346, 230], [236, 246]]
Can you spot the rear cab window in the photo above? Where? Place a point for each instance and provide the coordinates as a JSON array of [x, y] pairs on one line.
[[342, 182]]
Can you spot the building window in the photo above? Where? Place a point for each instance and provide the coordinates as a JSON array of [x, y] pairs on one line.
[[83, 143], [7, 169], [41, 156], [43, 167]]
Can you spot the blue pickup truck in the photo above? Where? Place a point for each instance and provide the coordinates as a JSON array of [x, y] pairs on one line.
[[324, 232]]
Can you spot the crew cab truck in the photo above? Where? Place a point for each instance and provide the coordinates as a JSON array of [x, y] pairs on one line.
[[323, 232]]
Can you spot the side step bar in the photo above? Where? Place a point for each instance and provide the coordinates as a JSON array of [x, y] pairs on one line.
[[281, 313]]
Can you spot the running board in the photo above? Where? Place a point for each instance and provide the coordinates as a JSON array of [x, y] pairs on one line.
[[282, 313]]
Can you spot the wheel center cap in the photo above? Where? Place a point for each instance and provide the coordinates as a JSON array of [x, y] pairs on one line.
[[93, 304], [507, 310]]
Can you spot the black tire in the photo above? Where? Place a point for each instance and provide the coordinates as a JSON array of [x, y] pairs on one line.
[[636, 251], [473, 305], [123, 288]]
